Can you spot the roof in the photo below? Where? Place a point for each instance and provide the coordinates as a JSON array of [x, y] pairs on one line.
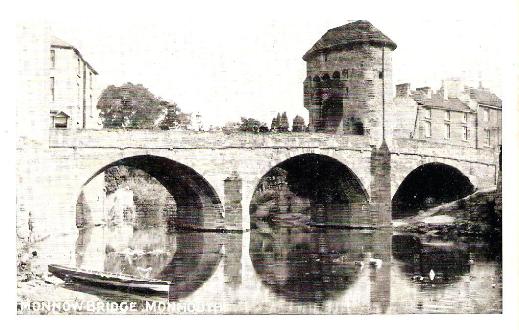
[[358, 32], [58, 43], [437, 101], [62, 114], [485, 97]]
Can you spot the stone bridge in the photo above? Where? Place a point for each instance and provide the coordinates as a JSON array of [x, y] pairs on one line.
[[216, 170]]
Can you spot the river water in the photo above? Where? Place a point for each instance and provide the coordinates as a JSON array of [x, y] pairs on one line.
[[293, 271]]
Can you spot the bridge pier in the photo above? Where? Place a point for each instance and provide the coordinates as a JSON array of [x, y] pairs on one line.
[[233, 206], [380, 202]]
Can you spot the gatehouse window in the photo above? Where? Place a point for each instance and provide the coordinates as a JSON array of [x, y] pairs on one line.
[[465, 133], [465, 117], [336, 75], [427, 113], [487, 137], [324, 57], [447, 115], [346, 73]]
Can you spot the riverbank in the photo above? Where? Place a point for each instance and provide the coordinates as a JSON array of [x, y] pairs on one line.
[[473, 216], [35, 284]]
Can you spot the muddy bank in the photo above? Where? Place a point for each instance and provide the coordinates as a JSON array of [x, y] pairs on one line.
[[475, 216]]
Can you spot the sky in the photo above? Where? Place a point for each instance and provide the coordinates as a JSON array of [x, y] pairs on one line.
[[245, 59]]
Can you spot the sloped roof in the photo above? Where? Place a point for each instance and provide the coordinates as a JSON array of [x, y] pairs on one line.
[[437, 101], [58, 43], [357, 32], [485, 97]]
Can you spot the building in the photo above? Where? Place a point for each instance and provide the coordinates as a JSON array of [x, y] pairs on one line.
[[348, 82], [73, 91], [455, 114]]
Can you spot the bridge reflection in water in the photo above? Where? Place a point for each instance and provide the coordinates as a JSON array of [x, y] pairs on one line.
[[298, 271]]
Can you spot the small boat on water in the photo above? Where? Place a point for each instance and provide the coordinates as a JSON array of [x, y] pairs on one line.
[[112, 281]]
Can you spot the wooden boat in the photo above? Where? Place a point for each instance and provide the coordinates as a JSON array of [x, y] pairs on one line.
[[112, 281]]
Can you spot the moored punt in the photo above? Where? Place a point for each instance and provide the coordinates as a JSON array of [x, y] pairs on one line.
[[112, 281]]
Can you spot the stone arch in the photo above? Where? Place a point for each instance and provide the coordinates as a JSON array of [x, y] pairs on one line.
[[197, 202], [430, 184], [318, 173]]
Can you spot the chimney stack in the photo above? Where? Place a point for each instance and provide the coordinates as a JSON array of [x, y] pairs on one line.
[[403, 90], [426, 91]]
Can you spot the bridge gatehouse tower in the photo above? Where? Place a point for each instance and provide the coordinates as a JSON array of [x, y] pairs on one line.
[[349, 80]]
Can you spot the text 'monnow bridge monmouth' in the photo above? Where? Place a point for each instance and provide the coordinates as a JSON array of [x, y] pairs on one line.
[[389, 148]]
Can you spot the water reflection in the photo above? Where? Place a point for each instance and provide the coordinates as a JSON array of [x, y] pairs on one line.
[[436, 262], [187, 259], [294, 270], [309, 266]]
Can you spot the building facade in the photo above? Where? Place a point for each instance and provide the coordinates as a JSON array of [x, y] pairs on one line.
[[455, 114], [72, 88]]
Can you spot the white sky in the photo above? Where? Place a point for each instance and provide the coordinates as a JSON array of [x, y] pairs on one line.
[[245, 59]]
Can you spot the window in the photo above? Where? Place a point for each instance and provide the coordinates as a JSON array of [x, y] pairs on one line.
[[90, 107], [78, 67], [90, 79], [52, 92], [381, 74], [324, 57], [78, 96], [347, 92], [465, 117], [52, 58], [427, 128], [447, 131], [60, 122], [486, 115], [447, 115], [487, 137], [427, 114], [346, 73], [465, 133]]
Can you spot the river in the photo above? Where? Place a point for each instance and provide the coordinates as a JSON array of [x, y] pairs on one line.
[[295, 271]]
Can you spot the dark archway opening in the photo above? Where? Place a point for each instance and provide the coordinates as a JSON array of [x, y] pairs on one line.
[[308, 190], [196, 204], [427, 186]]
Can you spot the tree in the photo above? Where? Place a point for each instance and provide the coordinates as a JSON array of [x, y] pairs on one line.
[[134, 106], [298, 124], [251, 125], [283, 124], [175, 118], [231, 127]]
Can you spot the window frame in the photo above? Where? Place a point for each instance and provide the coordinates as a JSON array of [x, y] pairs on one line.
[[486, 115], [428, 113], [487, 137], [427, 129], [447, 131], [53, 88], [52, 58]]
